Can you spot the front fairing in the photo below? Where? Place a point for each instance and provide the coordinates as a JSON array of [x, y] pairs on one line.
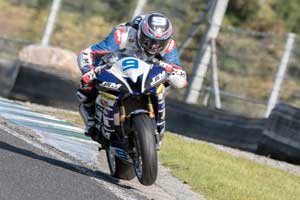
[[156, 76], [130, 75], [108, 82]]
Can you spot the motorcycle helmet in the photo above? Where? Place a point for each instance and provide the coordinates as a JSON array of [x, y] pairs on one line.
[[155, 31]]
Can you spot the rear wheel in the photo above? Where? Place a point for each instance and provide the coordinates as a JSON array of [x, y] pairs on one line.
[[145, 161], [119, 168]]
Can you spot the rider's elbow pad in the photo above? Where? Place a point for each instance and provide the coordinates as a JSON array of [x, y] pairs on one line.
[[84, 58]]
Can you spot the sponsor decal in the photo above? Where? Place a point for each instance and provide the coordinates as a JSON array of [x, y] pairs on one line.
[[170, 46], [179, 72], [158, 32], [118, 36], [159, 21], [156, 79], [122, 154], [110, 85]]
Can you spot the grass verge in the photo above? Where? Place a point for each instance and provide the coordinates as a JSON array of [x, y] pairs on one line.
[[213, 173], [219, 175]]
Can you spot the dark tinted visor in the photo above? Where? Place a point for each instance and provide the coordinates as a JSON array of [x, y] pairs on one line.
[[152, 45]]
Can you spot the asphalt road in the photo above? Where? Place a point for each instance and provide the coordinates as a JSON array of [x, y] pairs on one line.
[[27, 172]]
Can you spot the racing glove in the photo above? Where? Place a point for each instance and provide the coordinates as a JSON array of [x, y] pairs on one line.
[[177, 76], [88, 71], [88, 74]]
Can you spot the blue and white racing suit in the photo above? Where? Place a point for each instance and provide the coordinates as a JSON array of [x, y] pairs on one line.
[[123, 36]]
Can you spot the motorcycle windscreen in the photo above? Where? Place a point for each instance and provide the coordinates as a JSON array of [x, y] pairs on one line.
[[136, 87]]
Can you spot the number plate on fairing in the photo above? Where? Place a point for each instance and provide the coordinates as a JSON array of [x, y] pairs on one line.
[[130, 63]]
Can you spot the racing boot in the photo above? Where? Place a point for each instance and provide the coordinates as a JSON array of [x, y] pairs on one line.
[[87, 111]]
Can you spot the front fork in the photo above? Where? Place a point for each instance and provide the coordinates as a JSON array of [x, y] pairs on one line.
[[159, 122], [161, 93]]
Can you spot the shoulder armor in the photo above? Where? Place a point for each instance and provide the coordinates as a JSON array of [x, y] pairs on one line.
[[121, 34], [171, 45]]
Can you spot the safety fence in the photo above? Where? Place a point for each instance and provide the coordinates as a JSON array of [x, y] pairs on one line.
[[248, 63]]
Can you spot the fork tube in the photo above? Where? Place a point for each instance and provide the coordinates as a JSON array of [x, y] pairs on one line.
[[150, 107], [123, 112]]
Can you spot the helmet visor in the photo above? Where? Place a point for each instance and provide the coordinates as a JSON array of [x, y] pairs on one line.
[[151, 45]]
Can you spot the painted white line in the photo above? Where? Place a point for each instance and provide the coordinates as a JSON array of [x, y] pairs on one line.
[[42, 133], [29, 112], [11, 104], [86, 152], [45, 124], [14, 133]]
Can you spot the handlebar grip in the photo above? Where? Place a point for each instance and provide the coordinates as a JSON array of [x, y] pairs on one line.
[[99, 68]]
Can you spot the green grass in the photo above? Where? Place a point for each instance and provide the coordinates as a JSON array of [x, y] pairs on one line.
[[219, 175], [213, 173]]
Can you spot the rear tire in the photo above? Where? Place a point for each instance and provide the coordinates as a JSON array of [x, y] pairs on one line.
[[145, 162], [119, 168]]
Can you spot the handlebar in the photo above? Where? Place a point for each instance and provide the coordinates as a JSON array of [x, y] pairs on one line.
[[99, 68], [111, 58]]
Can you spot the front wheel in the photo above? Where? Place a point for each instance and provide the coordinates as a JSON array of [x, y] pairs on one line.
[[145, 161]]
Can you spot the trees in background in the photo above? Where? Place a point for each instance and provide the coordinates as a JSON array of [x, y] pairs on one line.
[[289, 11], [265, 15]]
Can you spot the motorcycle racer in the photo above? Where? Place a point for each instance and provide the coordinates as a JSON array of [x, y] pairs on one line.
[[149, 36]]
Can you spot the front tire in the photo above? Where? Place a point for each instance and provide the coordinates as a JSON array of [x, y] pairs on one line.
[[145, 161]]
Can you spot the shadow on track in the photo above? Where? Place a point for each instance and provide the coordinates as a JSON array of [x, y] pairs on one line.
[[66, 165]]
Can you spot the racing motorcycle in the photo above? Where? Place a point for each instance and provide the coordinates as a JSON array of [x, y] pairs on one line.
[[127, 111]]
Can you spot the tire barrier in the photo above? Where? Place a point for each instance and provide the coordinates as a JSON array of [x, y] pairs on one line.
[[42, 85], [215, 126], [278, 136], [9, 70], [282, 133]]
